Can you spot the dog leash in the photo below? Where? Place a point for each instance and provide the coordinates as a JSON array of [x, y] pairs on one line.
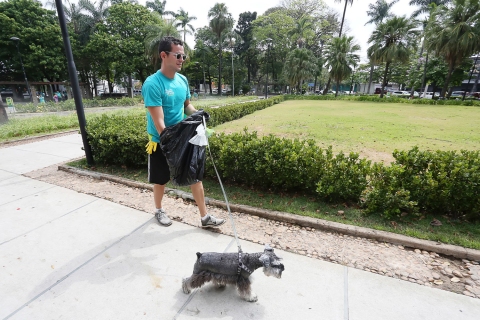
[[228, 206]]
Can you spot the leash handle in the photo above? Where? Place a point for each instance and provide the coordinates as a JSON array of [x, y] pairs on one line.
[[223, 191]]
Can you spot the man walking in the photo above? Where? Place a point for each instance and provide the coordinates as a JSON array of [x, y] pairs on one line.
[[167, 97]]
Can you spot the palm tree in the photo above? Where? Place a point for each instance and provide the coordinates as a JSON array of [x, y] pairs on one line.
[[220, 21], [390, 43], [454, 33], [155, 34], [299, 66], [302, 27], [96, 13], [340, 55], [377, 12], [159, 7], [184, 21], [343, 17], [425, 6]]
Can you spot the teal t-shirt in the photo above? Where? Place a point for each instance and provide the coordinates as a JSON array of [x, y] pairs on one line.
[[170, 94]]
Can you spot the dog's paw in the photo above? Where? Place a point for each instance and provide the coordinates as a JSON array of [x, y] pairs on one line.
[[221, 285], [185, 287], [252, 298]]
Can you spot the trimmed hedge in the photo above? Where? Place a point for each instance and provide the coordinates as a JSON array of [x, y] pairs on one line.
[[376, 98], [121, 139], [69, 105]]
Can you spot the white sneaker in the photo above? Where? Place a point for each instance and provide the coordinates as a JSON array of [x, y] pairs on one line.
[[211, 221], [162, 218]]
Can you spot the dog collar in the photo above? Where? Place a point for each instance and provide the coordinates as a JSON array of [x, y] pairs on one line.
[[241, 265]]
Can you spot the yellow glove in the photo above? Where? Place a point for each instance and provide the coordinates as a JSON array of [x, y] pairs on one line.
[[151, 146]]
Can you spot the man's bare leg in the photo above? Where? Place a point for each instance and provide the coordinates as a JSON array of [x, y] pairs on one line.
[[158, 190], [199, 196]]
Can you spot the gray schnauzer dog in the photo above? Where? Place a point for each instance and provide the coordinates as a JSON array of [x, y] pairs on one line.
[[232, 268]]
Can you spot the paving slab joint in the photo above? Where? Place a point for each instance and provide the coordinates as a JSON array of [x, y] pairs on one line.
[[384, 236]]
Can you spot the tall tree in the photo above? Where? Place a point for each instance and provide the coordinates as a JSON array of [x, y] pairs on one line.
[[454, 33], [155, 32], [246, 49], [390, 43], [159, 7], [40, 43], [221, 22], [300, 65], [425, 6], [377, 12], [341, 56], [184, 22], [303, 27], [344, 10]]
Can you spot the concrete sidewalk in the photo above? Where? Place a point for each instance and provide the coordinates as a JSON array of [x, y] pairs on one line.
[[68, 255]]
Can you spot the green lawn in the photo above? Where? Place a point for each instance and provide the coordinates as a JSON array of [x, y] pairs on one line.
[[374, 130], [28, 125]]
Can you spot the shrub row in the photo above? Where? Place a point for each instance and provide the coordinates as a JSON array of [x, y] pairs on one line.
[[69, 105], [289, 165], [376, 98], [441, 182], [121, 139]]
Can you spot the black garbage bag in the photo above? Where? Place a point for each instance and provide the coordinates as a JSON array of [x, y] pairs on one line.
[[186, 161]]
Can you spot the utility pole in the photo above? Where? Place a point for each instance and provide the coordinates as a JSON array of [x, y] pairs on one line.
[[72, 70]]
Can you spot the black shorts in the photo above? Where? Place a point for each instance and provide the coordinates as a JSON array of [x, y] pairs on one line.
[[158, 172]]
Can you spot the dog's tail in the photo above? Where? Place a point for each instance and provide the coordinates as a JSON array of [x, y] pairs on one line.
[[199, 255]]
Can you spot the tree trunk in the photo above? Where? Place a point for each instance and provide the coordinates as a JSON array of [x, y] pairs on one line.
[[220, 67], [336, 91], [384, 83], [328, 86], [418, 66], [372, 65], [447, 80], [3, 112], [425, 73], [315, 85], [343, 19]]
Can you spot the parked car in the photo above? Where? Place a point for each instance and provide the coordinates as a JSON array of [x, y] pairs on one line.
[[400, 93], [379, 90], [457, 94]]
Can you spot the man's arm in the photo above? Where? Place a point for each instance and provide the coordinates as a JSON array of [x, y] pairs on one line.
[[188, 107], [158, 118]]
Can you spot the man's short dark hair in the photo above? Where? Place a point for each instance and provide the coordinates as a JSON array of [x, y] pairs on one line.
[[166, 44]]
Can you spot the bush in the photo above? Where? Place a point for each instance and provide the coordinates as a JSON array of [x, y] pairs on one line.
[[440, 183], [267, 162], [444, 182], [384, 194], [344, 178], [118, 139]]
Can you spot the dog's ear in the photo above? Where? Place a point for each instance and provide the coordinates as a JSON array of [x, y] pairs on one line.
[[268, 248], [265, 259]]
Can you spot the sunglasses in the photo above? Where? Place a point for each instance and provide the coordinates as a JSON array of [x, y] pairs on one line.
[[178, 55]]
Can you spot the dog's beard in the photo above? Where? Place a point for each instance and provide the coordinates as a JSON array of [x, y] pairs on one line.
[[274, 272]]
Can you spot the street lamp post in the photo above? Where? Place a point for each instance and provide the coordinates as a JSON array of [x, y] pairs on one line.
[[269, 41], [232, 42], [17, 40]]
